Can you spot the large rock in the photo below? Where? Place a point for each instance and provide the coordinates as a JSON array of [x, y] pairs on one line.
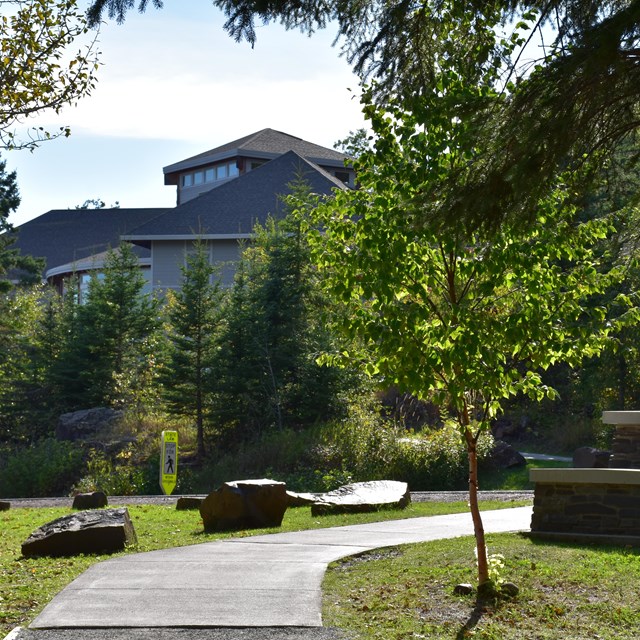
[[4, 505], [504, 456], [591, 458], [103, 531], [245, 504], [360, 497], [93, 500], [87, 423]]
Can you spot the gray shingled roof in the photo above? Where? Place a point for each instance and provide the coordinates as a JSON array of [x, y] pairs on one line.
[[232, 209], [63, 236], [265, 143]]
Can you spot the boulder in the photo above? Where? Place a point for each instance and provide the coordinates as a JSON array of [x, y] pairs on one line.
[[504, 456], [4, 505], [591, 458], [93, 500], [103, 531], [187, 503], [360, 497], [245, 504], [87, 423]]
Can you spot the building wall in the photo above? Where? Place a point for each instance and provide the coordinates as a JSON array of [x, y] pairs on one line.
[[169, 256]]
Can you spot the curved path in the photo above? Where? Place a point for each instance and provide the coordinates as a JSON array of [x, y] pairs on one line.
[[261, 581]]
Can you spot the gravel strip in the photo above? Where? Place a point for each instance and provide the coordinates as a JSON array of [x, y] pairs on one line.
[[417, 496]]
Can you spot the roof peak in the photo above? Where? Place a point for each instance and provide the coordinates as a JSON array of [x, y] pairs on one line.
[[266, 142]]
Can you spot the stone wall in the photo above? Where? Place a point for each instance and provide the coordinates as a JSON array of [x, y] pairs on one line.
[[587, 502]]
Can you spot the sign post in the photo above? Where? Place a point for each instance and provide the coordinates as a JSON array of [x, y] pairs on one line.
[[168, 461]]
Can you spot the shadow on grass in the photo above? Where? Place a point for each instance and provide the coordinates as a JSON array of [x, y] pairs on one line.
[[478, 611], [485, 604]]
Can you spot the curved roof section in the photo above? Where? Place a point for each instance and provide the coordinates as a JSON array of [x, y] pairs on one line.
[[232, 209]]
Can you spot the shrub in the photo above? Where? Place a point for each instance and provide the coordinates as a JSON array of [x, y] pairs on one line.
[[46, 468], [371, 448]]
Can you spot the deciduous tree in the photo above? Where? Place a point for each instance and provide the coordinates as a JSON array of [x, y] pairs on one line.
[[456, 318], [48, 60]]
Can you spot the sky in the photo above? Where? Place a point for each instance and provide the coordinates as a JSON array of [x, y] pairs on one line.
[[172, 84]]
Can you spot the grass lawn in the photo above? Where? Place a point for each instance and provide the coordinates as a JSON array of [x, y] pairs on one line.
[[516, 479], [567, 592], [28, 584]]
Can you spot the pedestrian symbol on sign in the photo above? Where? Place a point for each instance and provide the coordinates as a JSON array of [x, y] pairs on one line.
[[168, 467]]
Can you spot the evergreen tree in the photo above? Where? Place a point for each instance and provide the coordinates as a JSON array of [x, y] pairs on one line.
[[459, 319], [194, 316], [567, 71], [273, 332], [25, 268], [109, 354]]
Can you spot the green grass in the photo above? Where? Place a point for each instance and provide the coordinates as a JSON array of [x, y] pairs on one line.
[[28, 584], [516, 479], [573, 592]]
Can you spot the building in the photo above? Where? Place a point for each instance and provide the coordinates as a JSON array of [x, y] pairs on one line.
[[221, 195]]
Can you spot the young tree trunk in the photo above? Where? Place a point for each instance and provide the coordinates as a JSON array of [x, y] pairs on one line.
[[478, 527]]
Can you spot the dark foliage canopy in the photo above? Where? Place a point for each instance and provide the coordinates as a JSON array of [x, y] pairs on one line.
[[577, 100]]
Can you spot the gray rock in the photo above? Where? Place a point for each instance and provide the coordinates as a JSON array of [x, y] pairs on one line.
[[504, 456], [302, 499], [4, 506], [464, 589], [93, 500], [591, 458], [87, 423], [361, 497], [103, 531], [187, 503], [245, 504]]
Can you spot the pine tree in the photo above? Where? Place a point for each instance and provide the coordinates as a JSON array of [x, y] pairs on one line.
[[108, 357], [273, 333], [194, 316]]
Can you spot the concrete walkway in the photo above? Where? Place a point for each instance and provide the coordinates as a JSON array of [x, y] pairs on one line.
[[256, 582]]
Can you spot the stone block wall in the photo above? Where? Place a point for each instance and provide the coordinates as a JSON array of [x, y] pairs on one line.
[[625, 452], [600, 502]]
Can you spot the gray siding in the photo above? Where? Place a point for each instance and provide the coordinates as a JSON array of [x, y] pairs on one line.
[[167, 258], [225, 255]]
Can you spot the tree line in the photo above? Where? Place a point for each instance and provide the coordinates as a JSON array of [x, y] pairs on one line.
[[233, 362]]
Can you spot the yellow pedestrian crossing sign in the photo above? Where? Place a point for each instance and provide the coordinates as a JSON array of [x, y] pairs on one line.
[[169, 461]]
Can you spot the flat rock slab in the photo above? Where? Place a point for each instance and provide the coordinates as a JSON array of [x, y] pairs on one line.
[[103, 531], [297, 499], [361, 497], [245, 504]]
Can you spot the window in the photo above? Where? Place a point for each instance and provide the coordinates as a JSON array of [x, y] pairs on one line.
[[233, 170], [343, 175], [221, 172], [187, 180], [198, 177], [210, 175], [257, 163]]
